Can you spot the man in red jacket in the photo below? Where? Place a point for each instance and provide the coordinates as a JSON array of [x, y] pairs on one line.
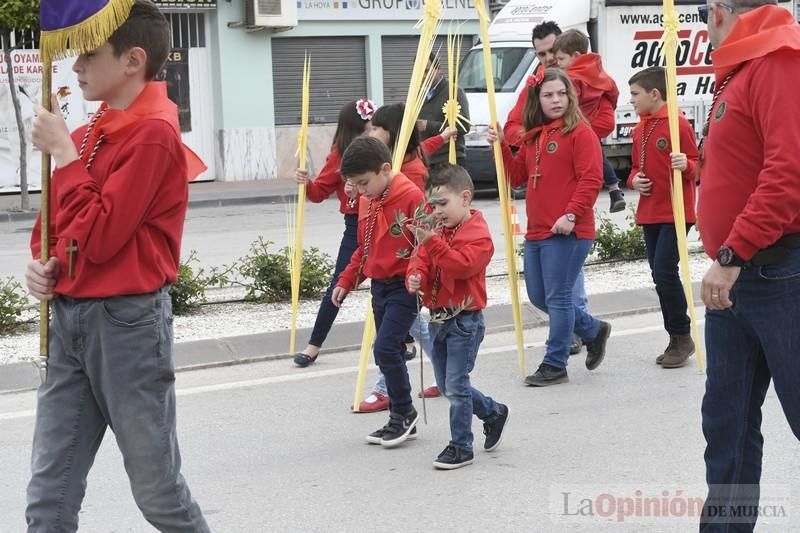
[[119, 199], [749, 219]]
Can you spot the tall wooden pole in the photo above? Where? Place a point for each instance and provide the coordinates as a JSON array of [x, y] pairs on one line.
[[44, 305]]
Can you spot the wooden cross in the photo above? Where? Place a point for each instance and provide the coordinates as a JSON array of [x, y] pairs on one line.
[[536, 178], [71, 249]]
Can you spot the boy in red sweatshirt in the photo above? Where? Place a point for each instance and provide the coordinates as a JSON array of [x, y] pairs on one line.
[[651, 175], [119, 199], [449, 272], [388, 200], [597, 97]]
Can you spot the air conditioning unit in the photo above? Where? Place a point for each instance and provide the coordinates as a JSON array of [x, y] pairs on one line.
[[271, 13]]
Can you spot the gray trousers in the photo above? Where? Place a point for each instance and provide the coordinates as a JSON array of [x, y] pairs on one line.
[[110, 366]]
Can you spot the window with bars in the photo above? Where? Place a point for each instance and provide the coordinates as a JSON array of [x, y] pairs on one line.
[[188, 29]]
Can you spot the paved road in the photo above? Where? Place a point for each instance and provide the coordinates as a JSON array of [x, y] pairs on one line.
[[269, 448]]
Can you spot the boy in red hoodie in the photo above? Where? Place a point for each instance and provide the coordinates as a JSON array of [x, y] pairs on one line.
[[597, 97], [119, 199], [651, 175], [449, 272], [388, 200]]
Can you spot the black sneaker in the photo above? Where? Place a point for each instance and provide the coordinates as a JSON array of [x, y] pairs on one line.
[[576, 346], [398, 429], [547, 375], [493, 429], [596, 349], [411, 354], [617, 201], [376, 436], [452, 458]]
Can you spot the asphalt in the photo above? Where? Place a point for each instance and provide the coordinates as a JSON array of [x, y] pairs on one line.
[[272, 345]]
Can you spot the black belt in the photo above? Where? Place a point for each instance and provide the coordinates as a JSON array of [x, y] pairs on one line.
[[388, 281], [777, 253], [444, 311]]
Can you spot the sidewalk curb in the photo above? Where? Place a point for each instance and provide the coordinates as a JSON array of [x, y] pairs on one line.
[[278, 197], [244, 349]]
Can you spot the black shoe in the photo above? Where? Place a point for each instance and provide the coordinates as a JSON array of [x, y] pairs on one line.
[[617, 201], [493, 429], [303, 360], [576, 346], [452, 458], [398, 429], [411, 354], [376, 436], [596, 349], [547, 375]]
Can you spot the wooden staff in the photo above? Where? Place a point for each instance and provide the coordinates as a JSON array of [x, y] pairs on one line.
[[670, 38], [44, 305]]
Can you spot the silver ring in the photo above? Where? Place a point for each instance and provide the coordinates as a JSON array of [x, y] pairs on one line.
[[715, 295]]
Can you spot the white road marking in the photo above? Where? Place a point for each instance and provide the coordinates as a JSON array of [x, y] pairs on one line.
[[300, 376]]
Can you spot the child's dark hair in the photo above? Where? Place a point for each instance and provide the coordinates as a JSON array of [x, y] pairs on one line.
[[145, 28], [452, 177], [433, 59], [532, 114], [349, 126], [651, 78], [365, 154], [548, 27], [570, 42], [390, 118]]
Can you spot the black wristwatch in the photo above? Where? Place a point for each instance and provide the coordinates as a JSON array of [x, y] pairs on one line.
[[726, 257]]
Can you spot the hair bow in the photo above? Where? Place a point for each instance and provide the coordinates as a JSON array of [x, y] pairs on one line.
[[536, 79], [365, 109]]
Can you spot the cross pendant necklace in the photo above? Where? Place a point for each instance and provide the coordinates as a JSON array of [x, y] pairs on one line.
[[539, 143], [72, 246]]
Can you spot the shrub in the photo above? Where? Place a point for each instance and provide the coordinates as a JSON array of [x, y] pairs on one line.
[[13, 301], [189, 292], [622, 243], [267, 276]]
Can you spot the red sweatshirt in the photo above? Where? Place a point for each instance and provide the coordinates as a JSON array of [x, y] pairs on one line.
[[657, 208], [126, 213], [390, 247], [462, 262], [750, 193], [328, 181], [571, 175], [597, 92]]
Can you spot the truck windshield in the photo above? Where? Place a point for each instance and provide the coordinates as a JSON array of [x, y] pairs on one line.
[[509, 65]]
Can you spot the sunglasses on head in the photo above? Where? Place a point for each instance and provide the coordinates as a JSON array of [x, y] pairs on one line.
[[705, 9]]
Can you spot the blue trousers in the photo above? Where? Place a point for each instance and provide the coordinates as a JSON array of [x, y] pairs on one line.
[[395, 310], [755, 341], [552, 267], [455, 348]]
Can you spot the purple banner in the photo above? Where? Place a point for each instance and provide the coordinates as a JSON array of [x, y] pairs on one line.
[[57, 14]]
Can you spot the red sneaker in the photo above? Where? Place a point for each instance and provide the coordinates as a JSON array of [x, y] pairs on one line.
[[373, 403], [431, 392]]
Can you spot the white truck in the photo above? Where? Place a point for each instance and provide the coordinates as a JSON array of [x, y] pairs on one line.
[[626, 33]]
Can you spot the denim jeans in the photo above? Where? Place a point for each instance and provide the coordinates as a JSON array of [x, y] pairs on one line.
[[756, 340], [455, 347], [661, 242], [609, 176], [110, 367], [419, 332], [327, 311], [395, 311], [552, 267]]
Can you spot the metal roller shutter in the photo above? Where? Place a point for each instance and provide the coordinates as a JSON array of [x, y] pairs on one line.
[[398, 54], [338, 74]]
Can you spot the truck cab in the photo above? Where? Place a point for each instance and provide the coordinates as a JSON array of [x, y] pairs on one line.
[[626, 33]]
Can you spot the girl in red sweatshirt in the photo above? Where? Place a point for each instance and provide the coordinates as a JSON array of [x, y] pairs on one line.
[[354, 120], [560, 160]]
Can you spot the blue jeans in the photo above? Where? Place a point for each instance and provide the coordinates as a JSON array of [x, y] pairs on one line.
[[455, 347], [661, 242], [756, 340], [395, 311], [609, 176], [110, 367], [552, 267], [327, 311], [419, 332]]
